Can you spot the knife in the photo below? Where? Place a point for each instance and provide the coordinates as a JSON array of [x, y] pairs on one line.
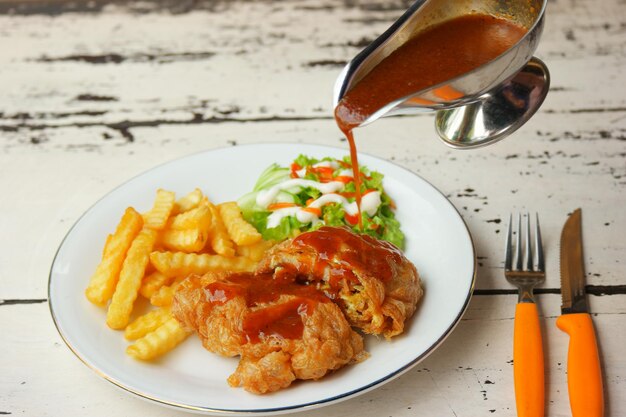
[[584, 377]]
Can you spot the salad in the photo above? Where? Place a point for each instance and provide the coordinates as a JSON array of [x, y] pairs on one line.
[[312, 193]]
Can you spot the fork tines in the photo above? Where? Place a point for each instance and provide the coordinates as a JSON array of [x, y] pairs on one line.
[[524, 257]]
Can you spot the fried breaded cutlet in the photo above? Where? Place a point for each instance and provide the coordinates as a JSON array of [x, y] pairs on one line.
[[283, 331], [292, 318], [371, 280]]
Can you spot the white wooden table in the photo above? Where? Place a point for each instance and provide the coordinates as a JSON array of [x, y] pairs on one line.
[[92, 94]]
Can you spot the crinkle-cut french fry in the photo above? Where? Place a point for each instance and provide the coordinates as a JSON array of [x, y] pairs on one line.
[[106, 249], [131, 275], [165, 295], [256, 251], [157, 217], [199, 217], [190, 240], [147, 323], [239, 230], [188, 202], [180, 264], [102, 283], [219, 239], [154, 344], [151, 283]]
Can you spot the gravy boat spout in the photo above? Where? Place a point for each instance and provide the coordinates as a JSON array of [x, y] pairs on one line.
[[480, 106]]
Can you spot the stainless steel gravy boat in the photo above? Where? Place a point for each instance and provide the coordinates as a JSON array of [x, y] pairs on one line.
[[491, 101]]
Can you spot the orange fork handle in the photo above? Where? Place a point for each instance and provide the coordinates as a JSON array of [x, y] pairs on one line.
[[584, 377], [528, 372]]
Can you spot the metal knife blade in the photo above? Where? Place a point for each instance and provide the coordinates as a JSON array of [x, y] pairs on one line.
[[573, 266], [584, 373]]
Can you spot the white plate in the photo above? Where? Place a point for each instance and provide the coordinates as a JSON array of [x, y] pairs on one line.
[[437, 241]]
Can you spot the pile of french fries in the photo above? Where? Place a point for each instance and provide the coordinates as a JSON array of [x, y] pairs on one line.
[[149, 255]]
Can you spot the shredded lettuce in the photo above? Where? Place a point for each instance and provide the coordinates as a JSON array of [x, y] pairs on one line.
[[333, 215], [288, 227], [382, 225], [273, 175]]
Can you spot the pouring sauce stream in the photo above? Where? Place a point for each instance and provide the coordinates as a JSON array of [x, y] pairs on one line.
[[437, 54]]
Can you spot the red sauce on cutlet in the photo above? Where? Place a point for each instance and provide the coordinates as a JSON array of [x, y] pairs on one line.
[[340, 251], [278, 319]]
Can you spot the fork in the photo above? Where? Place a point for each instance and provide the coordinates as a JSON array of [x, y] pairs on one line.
[[521, 270]]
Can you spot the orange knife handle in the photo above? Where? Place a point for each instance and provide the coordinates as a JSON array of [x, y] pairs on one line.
[[528, 371], [584, 377]]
